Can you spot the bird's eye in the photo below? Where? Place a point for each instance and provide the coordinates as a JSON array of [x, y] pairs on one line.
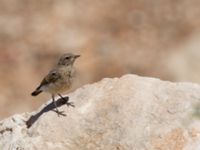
[[67, 58], [53, 73]]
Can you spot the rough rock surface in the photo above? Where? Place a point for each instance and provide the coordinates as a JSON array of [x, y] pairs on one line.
[[127, 113]]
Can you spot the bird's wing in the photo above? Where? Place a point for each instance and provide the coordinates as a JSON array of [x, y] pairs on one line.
[[52, 77]]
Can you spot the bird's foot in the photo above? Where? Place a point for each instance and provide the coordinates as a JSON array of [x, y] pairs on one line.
[[65, 100], [70, 104], [60, 113]]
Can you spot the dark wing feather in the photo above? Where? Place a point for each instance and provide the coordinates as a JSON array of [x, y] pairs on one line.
[[52, 77]]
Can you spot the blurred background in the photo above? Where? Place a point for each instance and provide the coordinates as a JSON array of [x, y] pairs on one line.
[[159, 38]]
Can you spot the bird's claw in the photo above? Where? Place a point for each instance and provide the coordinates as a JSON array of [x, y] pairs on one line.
[[60, 113], [70, 104]]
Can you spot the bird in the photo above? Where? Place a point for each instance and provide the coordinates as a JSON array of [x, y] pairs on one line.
[[59, 79]]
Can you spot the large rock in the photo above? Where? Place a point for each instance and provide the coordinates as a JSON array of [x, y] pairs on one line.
[[129, 113]]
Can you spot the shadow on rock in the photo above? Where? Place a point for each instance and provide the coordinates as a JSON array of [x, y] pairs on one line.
[[50, 107]]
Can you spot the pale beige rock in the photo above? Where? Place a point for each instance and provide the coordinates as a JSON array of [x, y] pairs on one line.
[[129, 113]]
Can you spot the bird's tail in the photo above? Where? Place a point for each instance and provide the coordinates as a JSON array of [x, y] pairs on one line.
[[36, 92]]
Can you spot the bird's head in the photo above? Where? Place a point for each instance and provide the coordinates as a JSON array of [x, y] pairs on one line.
[[67, 59]]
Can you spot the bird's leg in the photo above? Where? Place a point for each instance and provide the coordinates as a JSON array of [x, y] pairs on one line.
[[53, 98], [67, 101], [57, 111], [61, 96]]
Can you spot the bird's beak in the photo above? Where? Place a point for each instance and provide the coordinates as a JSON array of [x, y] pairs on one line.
[[76, 56]]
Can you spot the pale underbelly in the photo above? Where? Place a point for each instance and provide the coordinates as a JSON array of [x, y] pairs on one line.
[[55, 88]]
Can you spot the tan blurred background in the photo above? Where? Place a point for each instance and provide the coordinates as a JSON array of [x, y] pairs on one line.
[[158, 38]]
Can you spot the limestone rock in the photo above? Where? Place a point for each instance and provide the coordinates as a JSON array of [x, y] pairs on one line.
[[127, 113]]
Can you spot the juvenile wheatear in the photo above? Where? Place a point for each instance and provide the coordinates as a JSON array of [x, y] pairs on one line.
[[59, 79]]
